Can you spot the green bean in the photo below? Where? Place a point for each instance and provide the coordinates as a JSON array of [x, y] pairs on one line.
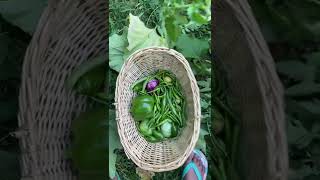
[[178, 91], [138, 82], [145, 84], [162, 122], [150, 121], [163, 104], [158, 119], [174, 119], [171, 106]]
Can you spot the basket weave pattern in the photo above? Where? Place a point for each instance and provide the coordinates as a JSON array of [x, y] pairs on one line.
[[167, 155], [69, 33], [241, 50]]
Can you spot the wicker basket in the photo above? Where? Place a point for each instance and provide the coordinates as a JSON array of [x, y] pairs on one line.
[[166, 155], [71, 31], [241, 50]]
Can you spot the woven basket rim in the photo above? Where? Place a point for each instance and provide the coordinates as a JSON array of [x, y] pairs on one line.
[[196, 124]]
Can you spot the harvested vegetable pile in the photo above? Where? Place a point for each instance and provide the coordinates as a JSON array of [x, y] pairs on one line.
[[159, 107]]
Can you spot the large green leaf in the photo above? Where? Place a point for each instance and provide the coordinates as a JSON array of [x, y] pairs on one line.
[[303, 89], [293, 68], [297, 134], [172, 28], [114, 143], [291, 21], [192, 47], [23, 13], [311, 106], [314, 58], [305, 172], [139, 36], [117, 48]]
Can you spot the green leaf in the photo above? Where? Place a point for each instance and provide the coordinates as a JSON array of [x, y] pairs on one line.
[[114, 143], [200, 12], [297, 134], [311, 106], [204, 104], [9, 167], [303, 89], [290, 21], [24, 14], [206, 86], [294, 69], [201, 143], [173, 30], [117, 48], [139, 36], [314, 59], [192, 47], [304, 172]]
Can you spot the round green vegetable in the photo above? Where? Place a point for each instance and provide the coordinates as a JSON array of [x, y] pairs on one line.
[[167, 79], [144, 128], [166, 129], [142, 107]]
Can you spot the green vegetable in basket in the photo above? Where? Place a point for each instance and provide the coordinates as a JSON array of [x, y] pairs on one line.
[[166, 129], [145, 129], [91, 82], [167, 79], [157, 134], [159, 107], [89, 77], [142, 107]]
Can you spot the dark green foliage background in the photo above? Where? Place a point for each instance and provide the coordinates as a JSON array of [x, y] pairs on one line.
[[13, 43]]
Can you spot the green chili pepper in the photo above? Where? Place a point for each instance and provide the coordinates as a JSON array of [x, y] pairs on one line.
[[157, 135], [172, 108], [152, 139]]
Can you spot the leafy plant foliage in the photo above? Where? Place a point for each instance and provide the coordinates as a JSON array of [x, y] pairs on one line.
[[13, 43], [292, 30]]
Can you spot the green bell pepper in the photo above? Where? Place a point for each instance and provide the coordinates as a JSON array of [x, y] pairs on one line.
[[142, 107]]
